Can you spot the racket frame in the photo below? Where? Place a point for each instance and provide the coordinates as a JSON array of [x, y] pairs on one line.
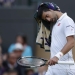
[[44, 60]]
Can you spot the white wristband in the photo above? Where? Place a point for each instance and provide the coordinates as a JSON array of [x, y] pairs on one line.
[[59, 55]]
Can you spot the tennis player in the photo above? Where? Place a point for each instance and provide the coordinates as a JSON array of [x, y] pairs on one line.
[[62, 38]]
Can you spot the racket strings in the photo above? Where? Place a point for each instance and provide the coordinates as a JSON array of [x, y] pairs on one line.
[[31, 61]]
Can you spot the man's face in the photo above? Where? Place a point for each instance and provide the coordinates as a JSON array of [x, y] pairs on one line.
[[49, 16], [12, 58], [19, 40], [18, 53]]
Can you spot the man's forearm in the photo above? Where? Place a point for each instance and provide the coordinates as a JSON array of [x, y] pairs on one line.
[[69, 45]]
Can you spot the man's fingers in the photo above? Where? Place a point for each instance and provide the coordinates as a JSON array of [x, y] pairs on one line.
[[51, 62], [54, 62]]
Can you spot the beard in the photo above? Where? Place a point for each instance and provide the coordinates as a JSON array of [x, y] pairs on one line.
[[55, 19], [53, 22]]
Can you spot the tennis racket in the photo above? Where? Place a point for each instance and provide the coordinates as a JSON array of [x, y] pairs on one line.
[[31, 62]]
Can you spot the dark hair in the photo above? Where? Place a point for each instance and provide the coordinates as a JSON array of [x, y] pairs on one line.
[[42, 8], [24, 38]]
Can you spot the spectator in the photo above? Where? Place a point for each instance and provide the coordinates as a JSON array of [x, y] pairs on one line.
[[8, 3], [23, 40], [2, 69], [29, 72], [18, 50], [11, 64], [12, 72]]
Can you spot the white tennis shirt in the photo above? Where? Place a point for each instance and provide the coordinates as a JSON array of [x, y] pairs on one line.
[[64, 27]]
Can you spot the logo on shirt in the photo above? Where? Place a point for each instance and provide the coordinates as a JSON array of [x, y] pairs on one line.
[[71, 27], [59, 24]]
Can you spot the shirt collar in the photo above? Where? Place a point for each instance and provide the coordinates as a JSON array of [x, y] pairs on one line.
[[65, 14]]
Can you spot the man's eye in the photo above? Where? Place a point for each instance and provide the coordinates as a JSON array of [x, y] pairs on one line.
[[46, 15]]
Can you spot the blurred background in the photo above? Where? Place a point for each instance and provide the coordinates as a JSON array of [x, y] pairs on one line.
[[18, 32]]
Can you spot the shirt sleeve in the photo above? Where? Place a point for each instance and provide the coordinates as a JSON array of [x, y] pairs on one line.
[[69, 28]]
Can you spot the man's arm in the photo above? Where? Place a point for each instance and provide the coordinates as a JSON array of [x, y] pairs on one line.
[[69, 45]]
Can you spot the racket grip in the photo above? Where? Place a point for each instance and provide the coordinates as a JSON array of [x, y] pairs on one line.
[[66, 62]]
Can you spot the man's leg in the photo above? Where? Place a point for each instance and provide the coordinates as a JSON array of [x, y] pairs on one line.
[[56, 71], [59, 72], [52, 71]]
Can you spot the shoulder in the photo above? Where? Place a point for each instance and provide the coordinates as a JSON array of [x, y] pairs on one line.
[[68, 19]]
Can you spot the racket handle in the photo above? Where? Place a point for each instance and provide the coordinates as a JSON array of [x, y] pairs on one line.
[[66, 62]]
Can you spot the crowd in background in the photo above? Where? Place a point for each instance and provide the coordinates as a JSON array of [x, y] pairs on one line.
[[8, 61], [7, 2]]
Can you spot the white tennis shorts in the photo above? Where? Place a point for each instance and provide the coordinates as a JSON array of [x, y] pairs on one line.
[[52, 71]]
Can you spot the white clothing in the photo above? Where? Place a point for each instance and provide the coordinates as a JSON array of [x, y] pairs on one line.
[[64, 27]]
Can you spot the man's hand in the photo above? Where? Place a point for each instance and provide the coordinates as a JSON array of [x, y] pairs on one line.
[[53, 61]]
